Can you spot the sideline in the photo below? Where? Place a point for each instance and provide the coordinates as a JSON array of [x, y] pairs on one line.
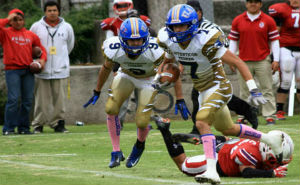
[[44, 167]]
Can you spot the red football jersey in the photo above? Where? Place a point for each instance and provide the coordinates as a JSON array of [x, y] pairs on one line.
[[114, 23], [239, 152], [290, 23]]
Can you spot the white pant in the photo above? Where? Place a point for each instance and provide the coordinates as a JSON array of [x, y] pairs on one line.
[[289, 64]]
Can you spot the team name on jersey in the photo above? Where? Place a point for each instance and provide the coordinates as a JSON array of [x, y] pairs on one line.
[[186, 56]]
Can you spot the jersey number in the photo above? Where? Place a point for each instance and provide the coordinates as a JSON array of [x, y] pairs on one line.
[[296, 16], [115, 46], [153, 45], [193, 66]]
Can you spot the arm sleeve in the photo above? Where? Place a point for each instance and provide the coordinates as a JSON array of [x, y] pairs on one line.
[[234, 33], [37, 42], [146, 19], [214, 47], [233, 46], [71, 39], [256, 173], [105, 24], [274, 12], [4, 22], [273, 33], [275, 49]]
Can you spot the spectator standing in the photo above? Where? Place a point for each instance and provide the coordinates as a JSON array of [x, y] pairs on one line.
[[287, 18], [57, 37], [17, 43], [255, 30]]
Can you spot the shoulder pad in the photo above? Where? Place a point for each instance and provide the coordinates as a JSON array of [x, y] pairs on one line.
[[162, 38], [157, 52], [110, 47]]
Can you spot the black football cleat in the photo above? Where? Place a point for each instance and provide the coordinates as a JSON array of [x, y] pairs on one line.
[[162, 123], [252, 117], [187, 138]]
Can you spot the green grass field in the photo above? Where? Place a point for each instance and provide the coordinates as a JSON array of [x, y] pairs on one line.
[[82, 156]]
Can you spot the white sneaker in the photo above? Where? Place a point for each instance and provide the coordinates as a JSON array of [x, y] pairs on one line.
[[275, 142], [208, 177]]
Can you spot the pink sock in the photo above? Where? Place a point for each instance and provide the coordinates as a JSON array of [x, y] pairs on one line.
[[249, 133], [209, 146], [114, 128], [142, 133]]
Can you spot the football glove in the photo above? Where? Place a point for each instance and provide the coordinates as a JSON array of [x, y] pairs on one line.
[[163, 86], [93, 99], [181, 106], [280, 171], [257, 98]]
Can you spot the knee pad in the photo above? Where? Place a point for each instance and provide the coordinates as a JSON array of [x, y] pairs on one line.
[[285, 84], [142, 119], [285, 91], [111, 108]]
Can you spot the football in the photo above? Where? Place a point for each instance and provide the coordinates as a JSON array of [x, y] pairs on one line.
[[36, 52], [35, 67], [169, 72]]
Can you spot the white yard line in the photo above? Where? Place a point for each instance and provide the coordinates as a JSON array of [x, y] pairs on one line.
[[37, 155], [44, 167]]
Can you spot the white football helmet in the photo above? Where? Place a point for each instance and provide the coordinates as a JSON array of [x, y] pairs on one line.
[[122, 6], [268, 155]]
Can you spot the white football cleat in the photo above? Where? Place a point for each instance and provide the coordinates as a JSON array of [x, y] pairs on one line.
[[208, 177], [275, 141]]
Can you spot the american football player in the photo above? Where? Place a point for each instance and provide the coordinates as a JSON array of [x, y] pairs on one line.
[[202, 51], [112, 24], [235, 157], [287, 18], [138, 56], [239, 106]]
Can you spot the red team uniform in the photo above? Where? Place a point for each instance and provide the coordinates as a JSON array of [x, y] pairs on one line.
[[289, 19], [239, 152], [232, 154], [114, 23]]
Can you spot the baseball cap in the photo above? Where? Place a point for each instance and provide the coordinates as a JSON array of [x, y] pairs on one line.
[[195, 4], [17, 11]]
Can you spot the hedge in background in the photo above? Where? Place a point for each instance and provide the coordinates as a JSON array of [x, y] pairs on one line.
[[83, 22]]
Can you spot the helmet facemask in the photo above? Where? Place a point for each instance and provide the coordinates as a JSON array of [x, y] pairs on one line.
[[121, 8], [268, 156], [179, 37], [182, 14], [134, 50], [131, 29]]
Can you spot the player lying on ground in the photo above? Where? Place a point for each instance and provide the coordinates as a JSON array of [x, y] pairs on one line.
[[235, 157]]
